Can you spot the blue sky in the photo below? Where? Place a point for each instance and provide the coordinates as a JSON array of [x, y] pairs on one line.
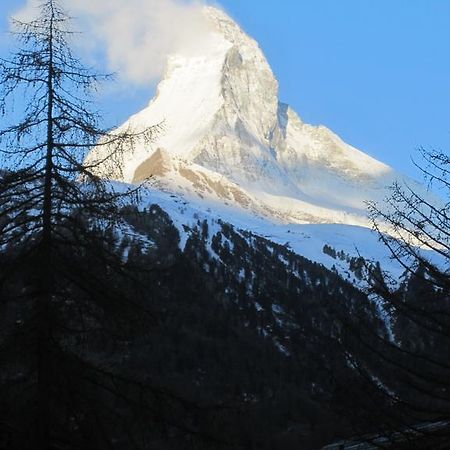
[[375, 72]]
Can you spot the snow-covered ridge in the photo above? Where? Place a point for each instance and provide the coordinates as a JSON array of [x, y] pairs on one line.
[[229, 138]]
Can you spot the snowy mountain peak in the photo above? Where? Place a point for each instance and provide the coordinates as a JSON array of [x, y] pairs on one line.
[[228, 138], [225, 25]]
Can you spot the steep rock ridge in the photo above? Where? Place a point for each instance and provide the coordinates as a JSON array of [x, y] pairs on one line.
[[224, 126], [239, 142]]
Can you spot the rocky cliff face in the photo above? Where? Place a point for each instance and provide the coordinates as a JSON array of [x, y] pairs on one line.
[[225, 130]]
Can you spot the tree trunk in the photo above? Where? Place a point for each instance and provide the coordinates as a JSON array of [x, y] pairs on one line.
[[45, 354]]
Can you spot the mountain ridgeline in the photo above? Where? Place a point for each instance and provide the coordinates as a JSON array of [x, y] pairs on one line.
[[226, 136], [243, 197]]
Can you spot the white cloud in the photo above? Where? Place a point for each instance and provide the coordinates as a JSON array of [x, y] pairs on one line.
[[135, 36]]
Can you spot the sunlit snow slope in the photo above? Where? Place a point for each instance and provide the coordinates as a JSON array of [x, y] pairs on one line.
[[226, 137]]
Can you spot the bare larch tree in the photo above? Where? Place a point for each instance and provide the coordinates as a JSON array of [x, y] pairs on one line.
[[63, 307]]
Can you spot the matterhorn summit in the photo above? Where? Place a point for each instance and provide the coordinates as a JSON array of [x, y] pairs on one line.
[[226, 137]]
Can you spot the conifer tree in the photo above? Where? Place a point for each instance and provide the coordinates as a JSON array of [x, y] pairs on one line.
[[415, 374], [65, 315]]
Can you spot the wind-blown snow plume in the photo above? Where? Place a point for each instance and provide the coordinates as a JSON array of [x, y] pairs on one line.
[[135, 36]]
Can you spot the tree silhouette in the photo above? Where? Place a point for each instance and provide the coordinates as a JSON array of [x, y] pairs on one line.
[[66, 314], [415, 227]]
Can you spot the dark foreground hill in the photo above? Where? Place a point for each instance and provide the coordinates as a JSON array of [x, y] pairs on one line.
[[247, 346]]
